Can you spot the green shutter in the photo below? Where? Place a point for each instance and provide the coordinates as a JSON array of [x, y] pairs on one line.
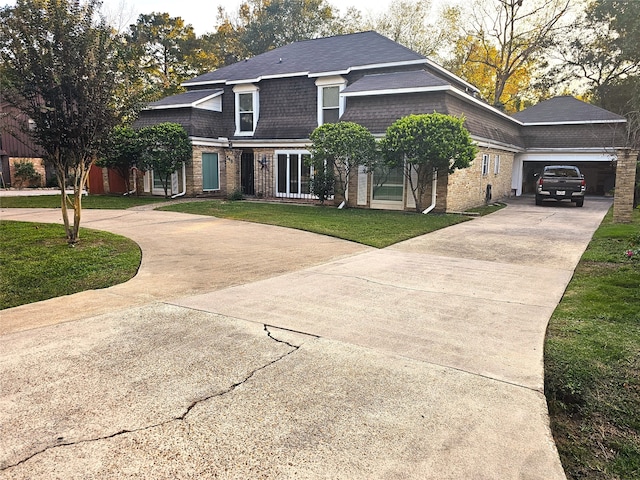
[[210, 172]]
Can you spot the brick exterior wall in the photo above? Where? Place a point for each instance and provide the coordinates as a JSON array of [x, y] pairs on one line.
[[625, 184], [227, 170], [38, 166], [467, 188]]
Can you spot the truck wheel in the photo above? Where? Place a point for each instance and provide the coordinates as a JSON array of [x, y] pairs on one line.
[[538, 200], [580, 202]]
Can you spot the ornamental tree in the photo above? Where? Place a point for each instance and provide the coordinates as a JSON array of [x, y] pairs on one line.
[[59, 68], [165, 148], [122, 151], [340, 148], [423, 144]]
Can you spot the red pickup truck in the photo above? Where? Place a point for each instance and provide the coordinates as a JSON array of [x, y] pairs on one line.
[[561, 182]]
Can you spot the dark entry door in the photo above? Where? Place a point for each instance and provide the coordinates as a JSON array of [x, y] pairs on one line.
[[247, 173]]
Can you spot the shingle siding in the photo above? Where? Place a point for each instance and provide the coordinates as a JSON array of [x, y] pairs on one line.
[[605, 135], [484, 124], [378, 112], [288, 108], [197, 123]]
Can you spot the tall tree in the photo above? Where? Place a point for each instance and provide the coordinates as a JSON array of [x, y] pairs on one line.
[[423, 144], [508, 37], [168, 51], [408, 22], [604, 53], [262, 25], [59, 66]]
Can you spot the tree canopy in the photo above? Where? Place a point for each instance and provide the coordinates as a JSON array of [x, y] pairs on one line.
[[340, 148], [59, 68], [423, 144], [122, 151], [165, 148], [260, 26], [503, 44]]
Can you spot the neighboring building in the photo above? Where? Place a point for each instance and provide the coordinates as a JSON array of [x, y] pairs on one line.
[[16, 146], [250, 123]]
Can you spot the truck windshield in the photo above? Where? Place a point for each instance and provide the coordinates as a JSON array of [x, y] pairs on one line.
[[561, 172]]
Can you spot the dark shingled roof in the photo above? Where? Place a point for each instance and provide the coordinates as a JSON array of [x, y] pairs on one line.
[[187, 98], [395, 81], [322, 55], [566, 109]]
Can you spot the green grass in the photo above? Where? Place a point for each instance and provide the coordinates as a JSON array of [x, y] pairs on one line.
[[592, 360], [37, 263], [376, 228], [115, 202]]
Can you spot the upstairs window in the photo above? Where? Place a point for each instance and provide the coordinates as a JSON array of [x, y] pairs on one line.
[[247, 109], [330, 104]]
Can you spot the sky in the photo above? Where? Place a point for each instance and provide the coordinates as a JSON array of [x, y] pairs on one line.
[[202, 14]]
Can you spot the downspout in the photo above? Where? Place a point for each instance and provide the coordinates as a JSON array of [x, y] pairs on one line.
[[184, 182], [434, 185]]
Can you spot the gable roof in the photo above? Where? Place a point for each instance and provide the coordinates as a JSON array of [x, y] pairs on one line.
[[187, 99], [322, 56], [566, 110]]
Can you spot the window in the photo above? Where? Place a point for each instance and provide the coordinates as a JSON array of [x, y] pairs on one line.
[[330, 105], [485, 164], [388, 184], [496, 165], [247, 109], [210, 172], [293, 175], [245, 106]]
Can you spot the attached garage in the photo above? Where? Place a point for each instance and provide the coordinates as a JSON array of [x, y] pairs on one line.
[[566, 131]]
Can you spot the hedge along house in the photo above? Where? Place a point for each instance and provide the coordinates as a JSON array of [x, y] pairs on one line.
[[250, 123]]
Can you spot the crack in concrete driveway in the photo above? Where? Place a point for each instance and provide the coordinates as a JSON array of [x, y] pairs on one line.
[[409, 362]]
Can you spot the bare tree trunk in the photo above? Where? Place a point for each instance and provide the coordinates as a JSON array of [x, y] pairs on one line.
[[61, 174], [80, 181]]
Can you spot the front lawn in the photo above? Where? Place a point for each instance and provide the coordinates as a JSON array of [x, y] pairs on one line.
[[37, 263], [377, 228], [592, 359]]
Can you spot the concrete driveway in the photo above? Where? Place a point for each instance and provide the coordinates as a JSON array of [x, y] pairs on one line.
[[248, 351]]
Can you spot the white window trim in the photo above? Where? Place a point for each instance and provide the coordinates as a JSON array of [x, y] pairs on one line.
[[485, 164], [331, 81], [246, 88], [275, 189], [496, 164]]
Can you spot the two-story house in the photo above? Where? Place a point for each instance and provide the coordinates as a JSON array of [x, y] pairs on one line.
[[250, 122]]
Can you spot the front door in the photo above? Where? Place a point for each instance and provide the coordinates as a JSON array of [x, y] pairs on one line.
[[247, 172]]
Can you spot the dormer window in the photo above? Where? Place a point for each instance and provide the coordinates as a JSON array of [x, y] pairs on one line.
[[330, 104], [247, 108]]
